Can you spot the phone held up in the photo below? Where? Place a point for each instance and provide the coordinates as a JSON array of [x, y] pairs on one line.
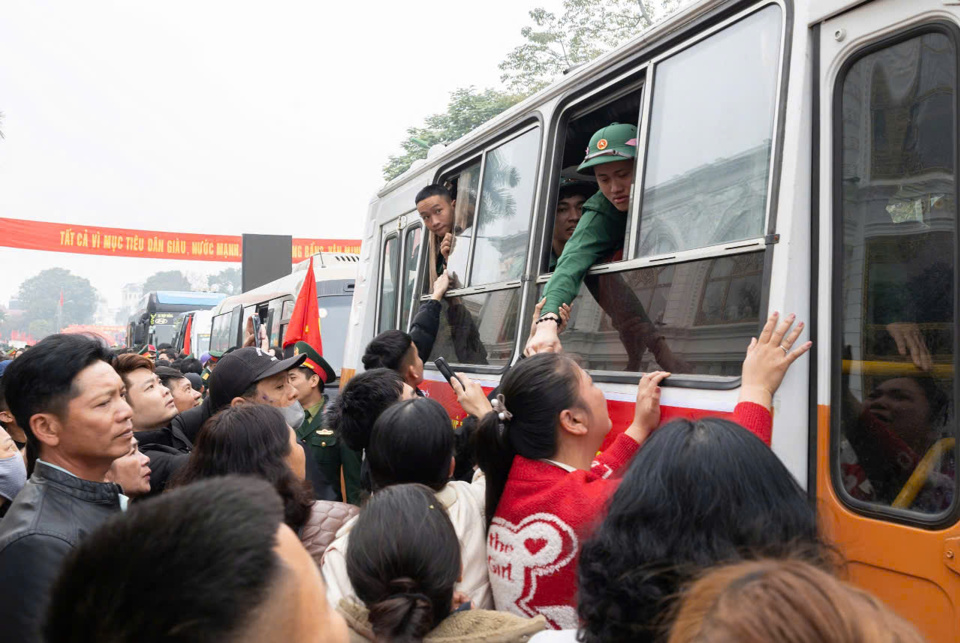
[[446, 371]]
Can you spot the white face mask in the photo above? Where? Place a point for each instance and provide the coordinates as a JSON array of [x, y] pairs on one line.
[[13, 475], [294, 415]]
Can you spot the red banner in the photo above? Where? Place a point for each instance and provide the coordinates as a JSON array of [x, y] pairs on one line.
[[146, 244]]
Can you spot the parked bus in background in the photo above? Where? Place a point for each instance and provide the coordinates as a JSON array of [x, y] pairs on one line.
[[153, 322], [273, 303], [791, 156], [192, 332]]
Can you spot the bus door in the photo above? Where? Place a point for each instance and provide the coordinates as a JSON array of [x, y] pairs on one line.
[[887, 310], [400, 241]]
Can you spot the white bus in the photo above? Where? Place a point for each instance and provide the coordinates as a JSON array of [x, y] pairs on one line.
[[335, 274], [794, 156]]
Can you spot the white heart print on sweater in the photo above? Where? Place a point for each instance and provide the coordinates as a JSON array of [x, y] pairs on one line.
[[519, 555]]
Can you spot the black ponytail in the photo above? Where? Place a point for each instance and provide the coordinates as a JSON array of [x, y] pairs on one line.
[[403, 562], [534, 392]]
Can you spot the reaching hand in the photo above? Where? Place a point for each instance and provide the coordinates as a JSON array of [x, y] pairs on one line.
[[543, 340], [908, 337], [646, 413], [446, 245], [471, 396], [440, 286], [768, 359], [564, 316]]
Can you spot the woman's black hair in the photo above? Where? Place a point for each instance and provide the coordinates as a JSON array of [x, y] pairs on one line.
[[411, 442], [535, 391], [403, 562], [697, 494], [387, 350], [250, 439]]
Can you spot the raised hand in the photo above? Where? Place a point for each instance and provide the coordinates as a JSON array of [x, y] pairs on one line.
[[646, 413], [768, 359], [440, 286], [471, 396]]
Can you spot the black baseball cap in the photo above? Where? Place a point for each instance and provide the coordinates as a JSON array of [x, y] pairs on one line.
[[239, 370]]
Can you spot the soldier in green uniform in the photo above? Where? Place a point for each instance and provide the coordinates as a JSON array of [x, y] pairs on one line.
[[600, 232], [332, 456], [208, 367]]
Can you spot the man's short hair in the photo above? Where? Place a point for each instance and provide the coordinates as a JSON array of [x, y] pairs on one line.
[[195, 564], [164, 346], [126, 364], [167, 374], [42, 379], [434, 189], [361, 402], [387, 350], [191, 365]]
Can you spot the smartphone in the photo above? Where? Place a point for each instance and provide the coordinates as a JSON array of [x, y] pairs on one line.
[[256, 329], [445, 370]]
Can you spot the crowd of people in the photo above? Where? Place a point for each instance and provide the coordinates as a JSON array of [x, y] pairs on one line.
[[149, 496], [532, 520]]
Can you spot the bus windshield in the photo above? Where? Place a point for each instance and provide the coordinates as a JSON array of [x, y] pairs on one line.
[[334, 314]]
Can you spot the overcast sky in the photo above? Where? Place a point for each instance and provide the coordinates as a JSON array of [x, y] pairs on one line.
[[221, 117]]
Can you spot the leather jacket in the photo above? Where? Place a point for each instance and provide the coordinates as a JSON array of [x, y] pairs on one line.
[[49, 517]]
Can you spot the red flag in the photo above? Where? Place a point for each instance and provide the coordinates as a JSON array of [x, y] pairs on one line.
[[305, 320]]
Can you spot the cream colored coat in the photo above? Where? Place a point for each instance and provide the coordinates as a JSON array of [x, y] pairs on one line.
[[464, 503]]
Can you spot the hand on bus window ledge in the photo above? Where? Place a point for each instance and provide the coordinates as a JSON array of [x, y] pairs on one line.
[[544, 339], [564, 316], [768, 359], [910, 340], [472, 398], [646, 413], [440, 286]]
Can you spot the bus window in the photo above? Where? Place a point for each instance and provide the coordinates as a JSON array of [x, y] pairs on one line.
[[643, 320], [479, 329], [388, 284], [464, 188], [411, 252], [503, 220], [895, 195], [710, 139]]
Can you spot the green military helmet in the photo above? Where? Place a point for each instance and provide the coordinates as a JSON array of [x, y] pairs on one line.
[[315, 362], [615, 142]]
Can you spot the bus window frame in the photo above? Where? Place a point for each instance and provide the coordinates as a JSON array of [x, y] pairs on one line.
[[642, 77], [877, 511], [533, 121]]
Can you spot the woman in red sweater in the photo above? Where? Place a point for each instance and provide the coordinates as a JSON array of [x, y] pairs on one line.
[[546, 487]]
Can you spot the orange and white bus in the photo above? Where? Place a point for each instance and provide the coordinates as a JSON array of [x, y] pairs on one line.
[[794, 156]]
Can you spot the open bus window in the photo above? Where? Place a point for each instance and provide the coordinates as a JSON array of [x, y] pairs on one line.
[[896, 199], [710, 139], [463, 187], [695, 317], [579, 187]]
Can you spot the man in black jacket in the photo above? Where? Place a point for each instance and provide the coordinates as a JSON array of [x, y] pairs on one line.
[[71, 405]]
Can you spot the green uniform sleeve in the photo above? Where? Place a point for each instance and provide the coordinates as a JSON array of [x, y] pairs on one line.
[[350, 461], [597, 235]]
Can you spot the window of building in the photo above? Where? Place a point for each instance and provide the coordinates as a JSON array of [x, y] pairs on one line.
[[895, 196]]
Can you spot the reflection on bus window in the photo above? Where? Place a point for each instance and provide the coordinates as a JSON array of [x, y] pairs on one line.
[[411, 252], [478, 329], [711, 127], [898, 218], [388, 285], [464, 189], [664, 318], [503, 228]]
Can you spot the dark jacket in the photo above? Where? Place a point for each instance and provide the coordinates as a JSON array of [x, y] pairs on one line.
[[190, 421], [50, 516], [426, 325], [329, 457], [168, 449]]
